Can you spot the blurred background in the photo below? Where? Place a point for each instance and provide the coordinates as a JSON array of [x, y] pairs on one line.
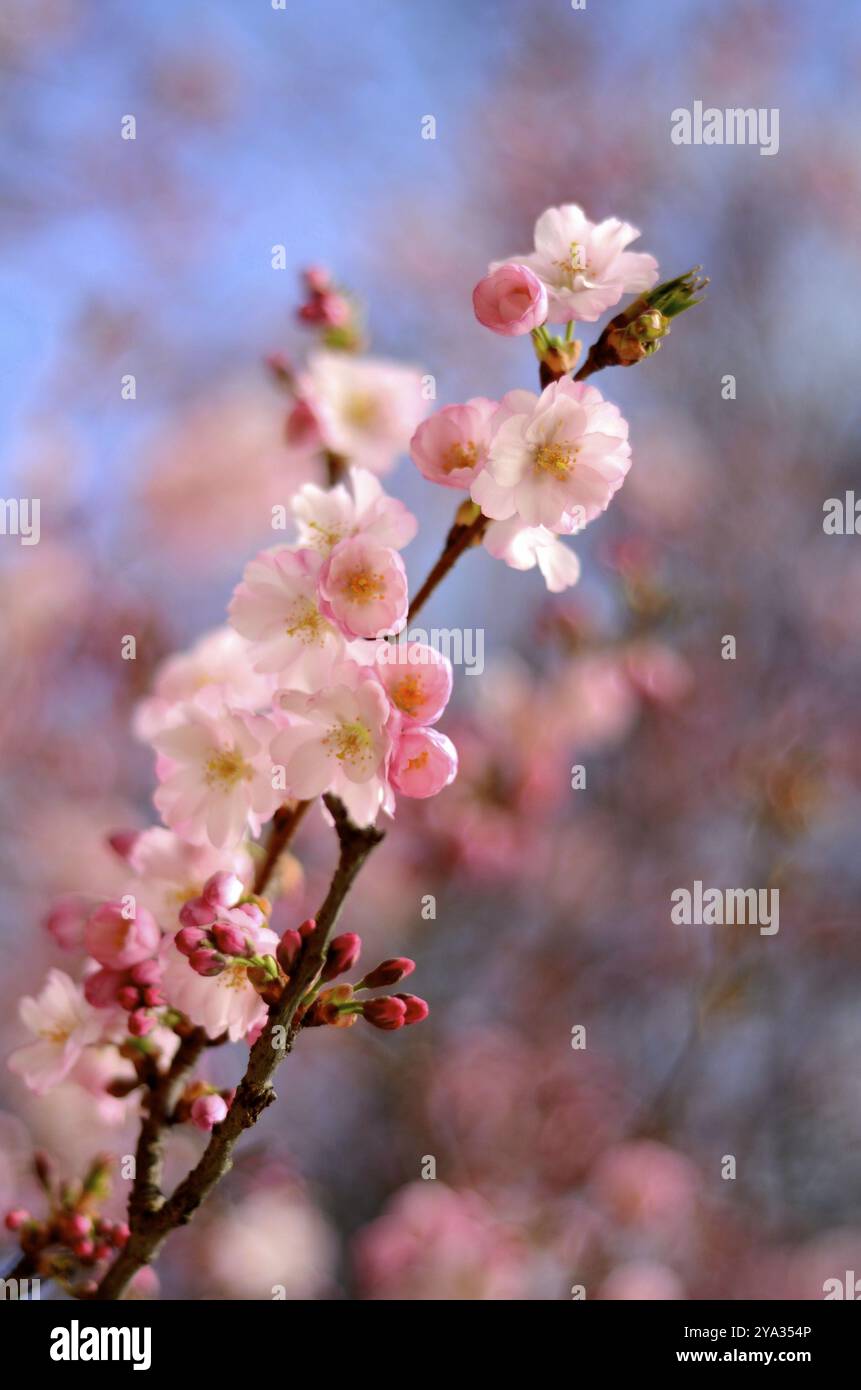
[[555, 1166]]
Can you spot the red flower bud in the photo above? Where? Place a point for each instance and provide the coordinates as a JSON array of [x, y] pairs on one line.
[[16, 1219], [289, 948], [207, 962], [388, 972], [342, 955], [128, 997], [197, 912], [100, 988], [146, 972], [140, 1023], [229, 939], [416, 1009], [307, 927], [387, 1013]]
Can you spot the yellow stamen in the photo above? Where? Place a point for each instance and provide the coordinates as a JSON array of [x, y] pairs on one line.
[[350, 743], [227, 767], [363, 586], [556, 459], [306, 622], [408, 694], [459, 456]]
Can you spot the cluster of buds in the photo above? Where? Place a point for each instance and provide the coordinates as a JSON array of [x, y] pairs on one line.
[[73, 1236], [220, 929], [124, 939], [328, 308], [638, 331], [204, 1105], [339, 1007]]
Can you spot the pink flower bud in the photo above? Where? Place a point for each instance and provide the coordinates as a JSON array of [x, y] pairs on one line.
[[317, 279], [141, 1023], [302, 427], [188, 939], [128, 997], [153, 997], [248, 912], [342, 955], [388, 972], [307, 927], [197, 912], [206, 962], [510, 300], [83, 1249], [387, 1013], [117, 940], [416, 1009], [146, 972], [207, 1111], [230, 940], [100, 988], [16, 1218], [289, 948], [222, 889]]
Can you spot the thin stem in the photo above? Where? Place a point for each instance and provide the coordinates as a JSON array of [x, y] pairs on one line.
[[255, 1091], [459, 539], [285, 823]]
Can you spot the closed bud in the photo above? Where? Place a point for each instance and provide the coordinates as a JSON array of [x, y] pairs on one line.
[[100, 988], [141, 1023], [289, 949], [146, 972], [230, 939], [128, 997], [307, 927], [196, 913], [387, 1013], [207, 962], [222, 889], [188, 939], [343, 953], [416, 1009], [388, 972], [16, 1219]]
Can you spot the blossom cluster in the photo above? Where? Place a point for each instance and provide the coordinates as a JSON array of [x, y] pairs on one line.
[[309, 691]]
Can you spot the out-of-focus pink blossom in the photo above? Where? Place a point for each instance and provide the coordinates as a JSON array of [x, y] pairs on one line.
[[367, 409], [523, 547], [277, 608], [118, 936], [63, 1024], [510, 300]]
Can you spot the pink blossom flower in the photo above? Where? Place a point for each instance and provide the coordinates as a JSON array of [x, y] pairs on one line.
[[222, 1003], [208, 1111], [367, 409], [510, 300], [363, 588], [218, 664], [277, 608], [63, 1024], [555, 460], [524, 547], [118, 937], [451, 447], [338, 741], [217, 781], [583, 264], [424, 761], [325, 516], [416, 678], [66, 919]]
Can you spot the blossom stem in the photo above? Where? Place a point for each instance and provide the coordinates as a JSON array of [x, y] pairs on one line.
[[285, 823], [152, 1223], [461, 536]]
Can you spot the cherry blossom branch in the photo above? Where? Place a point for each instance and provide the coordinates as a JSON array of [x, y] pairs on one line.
[[153, 1218], [460, 538]]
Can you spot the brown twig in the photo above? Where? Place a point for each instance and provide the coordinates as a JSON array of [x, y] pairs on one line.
[[285, 823], [459, 539], [154, 1223]]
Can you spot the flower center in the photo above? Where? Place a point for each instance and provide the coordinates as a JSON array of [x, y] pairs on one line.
[[235, 976], [363, 586], [575, 264], [326, 537], [459, 456], [408, 694], [58, 1034], [419, 761], [306, 622], [556, 459], [350, 743], [362, 410], [227, 767]]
